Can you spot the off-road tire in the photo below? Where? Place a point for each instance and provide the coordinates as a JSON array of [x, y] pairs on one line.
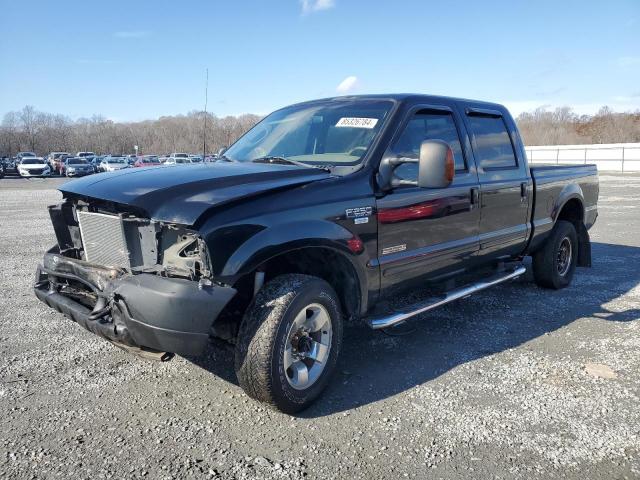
[[545, 261], [262, 337]]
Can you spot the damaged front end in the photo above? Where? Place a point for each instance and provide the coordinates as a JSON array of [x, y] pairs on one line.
[[142, 284]]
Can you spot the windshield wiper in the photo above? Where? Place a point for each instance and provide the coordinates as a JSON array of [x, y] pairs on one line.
[[289, 161]]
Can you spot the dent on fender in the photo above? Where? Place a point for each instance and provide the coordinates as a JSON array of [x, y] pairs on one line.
[[272, 241]]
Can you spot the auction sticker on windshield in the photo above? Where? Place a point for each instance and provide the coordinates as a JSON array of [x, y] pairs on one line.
[[357, 122]]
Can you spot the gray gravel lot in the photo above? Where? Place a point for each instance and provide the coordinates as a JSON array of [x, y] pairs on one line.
[[493, 386]]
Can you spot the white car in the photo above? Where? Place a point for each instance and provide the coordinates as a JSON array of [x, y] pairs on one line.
[[33, 167], [177, 160], [179, 155], [111, 164]]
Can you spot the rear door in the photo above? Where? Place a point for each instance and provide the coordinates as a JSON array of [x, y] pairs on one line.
[[427, 232], [504, 182]]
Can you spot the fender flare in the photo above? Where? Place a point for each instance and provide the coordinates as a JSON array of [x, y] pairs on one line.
[[574, 192], [288, 237], [569, 192]]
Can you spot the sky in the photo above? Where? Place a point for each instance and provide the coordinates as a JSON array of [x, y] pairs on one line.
[[136, 59]]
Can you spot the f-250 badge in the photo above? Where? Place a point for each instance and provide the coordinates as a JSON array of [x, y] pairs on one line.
[[359, 214]]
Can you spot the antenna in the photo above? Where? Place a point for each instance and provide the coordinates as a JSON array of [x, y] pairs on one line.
[[204, 130]]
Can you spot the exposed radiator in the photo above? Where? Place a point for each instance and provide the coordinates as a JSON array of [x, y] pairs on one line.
[[103, 239]]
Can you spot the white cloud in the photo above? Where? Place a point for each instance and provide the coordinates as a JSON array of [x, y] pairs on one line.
[[311, 6], [347, 85], [132, 34]]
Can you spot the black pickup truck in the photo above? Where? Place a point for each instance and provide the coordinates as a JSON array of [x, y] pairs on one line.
[[319, 214]]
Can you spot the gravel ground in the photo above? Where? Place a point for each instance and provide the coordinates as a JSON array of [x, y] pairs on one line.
[[499, 385]]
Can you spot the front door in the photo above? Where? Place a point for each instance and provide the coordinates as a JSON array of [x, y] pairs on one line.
[[427, 232]]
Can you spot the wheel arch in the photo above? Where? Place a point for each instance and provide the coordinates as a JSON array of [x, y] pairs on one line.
[[318, 248], [330, 264], [572, 211]]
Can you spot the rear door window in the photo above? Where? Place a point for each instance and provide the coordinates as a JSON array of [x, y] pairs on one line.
[[491, 142]]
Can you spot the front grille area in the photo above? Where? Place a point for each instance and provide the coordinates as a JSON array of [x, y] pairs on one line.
[[103, 239], [36, 171]]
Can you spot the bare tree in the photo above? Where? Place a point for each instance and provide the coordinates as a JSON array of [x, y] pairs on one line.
[[41, 132], [563, 126]]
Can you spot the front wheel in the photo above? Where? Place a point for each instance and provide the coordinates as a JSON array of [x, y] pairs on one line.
[[555, 263], [289, 341]]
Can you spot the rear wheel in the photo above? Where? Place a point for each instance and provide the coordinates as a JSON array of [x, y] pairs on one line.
[[289, 341], [554, 265]]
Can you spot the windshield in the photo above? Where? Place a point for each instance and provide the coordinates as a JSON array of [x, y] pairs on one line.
[[77, 161], [32, 161], [329, 132], [181, 155], [116, 160]]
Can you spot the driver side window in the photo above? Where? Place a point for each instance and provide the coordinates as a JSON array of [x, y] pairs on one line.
[[426, 126]]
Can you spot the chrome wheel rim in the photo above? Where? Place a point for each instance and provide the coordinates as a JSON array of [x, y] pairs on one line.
[[563, 259], [308, 346]]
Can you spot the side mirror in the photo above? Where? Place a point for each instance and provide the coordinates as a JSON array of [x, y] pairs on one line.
[[221, 151], [436, 167]]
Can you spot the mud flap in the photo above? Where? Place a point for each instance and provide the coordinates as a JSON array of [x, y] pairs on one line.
[[584, 246]]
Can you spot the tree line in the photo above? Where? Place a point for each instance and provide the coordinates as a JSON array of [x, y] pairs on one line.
[[563, 126], [41, 132]]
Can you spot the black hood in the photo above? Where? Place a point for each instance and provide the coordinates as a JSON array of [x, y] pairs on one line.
[[182, 193]]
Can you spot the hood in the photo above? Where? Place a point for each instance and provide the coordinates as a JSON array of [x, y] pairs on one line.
[[29, 166], [182, 193]]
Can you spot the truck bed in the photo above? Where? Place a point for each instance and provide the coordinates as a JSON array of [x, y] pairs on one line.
[[554, 186]]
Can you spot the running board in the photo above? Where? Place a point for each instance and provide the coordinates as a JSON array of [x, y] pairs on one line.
[[399, 317]]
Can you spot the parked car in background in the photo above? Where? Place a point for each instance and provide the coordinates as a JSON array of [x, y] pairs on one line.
[[111, 163], [131, 159], [85, 154], [9, 165], [77, 167], [33, 167], [178, 160], [62, 165], [195, 158], [95, 162], [21, 155], [179, 155], [53, 156], [147, 161], [58, 163]]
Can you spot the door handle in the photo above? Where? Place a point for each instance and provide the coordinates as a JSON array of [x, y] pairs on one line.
[[475, 197], [523, 189]]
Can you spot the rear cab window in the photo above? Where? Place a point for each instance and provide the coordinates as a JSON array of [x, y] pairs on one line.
[[491, 142]]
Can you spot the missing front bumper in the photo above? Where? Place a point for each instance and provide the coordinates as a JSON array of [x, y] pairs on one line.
[[140, 311]]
